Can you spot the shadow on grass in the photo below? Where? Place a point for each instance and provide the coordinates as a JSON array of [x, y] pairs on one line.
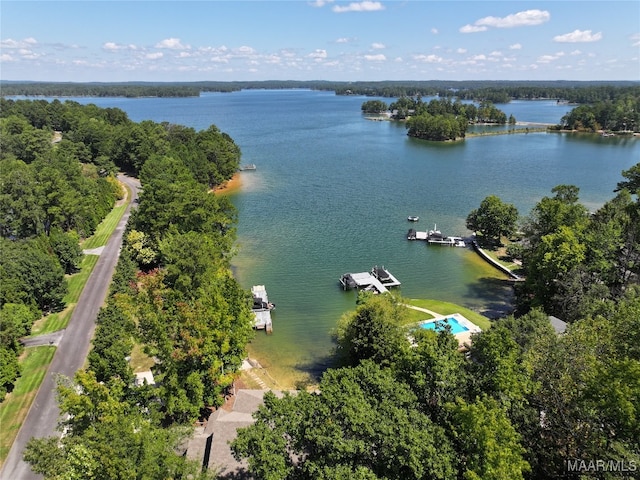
[[498, 295]]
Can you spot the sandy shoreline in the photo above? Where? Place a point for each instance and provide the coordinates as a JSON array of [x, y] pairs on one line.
[[230, 186]]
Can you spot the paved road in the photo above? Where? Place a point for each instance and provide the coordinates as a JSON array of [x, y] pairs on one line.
[[72, 351]]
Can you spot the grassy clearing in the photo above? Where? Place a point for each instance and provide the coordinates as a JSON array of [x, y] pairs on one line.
[[59, 320], [15, 407], [446, 308], [140, 361], [105, 229]]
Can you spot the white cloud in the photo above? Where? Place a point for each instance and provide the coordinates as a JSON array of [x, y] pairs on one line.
[[434, 31], [378, 46], [496, 53], [364, 6], [520, 19], [550, 58], [635, 40], [344, 40], [154, 56], [244, 50], [114, 47], [172, 44], [576, 52], [11, 43], [318, 55], [461, 50], [515, 46], [375, 58], [428, 58], [578, 36], [320, 3], [6, 58], [472, 29]]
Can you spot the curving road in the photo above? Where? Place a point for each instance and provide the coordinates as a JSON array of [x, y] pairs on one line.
[[73, 347]]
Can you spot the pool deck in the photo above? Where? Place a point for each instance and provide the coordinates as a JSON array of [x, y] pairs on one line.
[[464, 338]]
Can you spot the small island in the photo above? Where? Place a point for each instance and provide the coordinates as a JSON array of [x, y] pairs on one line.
[[440, 119]]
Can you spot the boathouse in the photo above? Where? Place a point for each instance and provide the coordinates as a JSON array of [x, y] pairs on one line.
[[378, 280]]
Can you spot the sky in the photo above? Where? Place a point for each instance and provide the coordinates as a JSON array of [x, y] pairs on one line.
[[359, 40]]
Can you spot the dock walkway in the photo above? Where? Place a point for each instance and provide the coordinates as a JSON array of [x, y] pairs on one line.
[[262, 308]]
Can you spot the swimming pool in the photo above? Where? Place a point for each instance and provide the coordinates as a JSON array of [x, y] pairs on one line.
[[456, 327]]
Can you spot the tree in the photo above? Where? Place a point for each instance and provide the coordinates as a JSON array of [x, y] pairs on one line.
[[66, 247], [550, 213], [632, 182], [363, 420], [373, 332], [374, 106], [30, 275], [493, 219], [107, 438], [489, 445]]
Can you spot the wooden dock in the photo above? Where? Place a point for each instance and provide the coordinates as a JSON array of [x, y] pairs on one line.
[[378, 280], [262, 309]]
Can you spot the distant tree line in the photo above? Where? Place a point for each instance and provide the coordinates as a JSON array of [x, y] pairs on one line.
[[495, 91], [57, 166]]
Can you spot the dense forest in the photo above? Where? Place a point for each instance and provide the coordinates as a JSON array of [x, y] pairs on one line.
[[480, 90], [57, 183], [524, 402]]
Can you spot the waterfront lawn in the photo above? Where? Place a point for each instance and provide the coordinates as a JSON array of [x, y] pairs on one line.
[[500, 256], [76, 282], [14, 408], [446, 308]]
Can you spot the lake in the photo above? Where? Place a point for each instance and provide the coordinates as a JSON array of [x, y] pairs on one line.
[[332, 192]]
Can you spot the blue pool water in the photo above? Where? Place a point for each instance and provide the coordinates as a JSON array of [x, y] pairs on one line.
[[439, 325]]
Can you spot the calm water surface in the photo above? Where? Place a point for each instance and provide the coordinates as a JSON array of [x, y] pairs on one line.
[[332, 192]]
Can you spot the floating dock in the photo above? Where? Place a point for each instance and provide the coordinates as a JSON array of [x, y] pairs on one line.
[[378, 280], [262, 309]]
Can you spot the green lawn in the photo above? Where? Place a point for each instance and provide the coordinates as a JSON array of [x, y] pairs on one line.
[[14, 408], [105, 229], [446, 308]]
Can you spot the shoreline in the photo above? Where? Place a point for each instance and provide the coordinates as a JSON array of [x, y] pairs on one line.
[[233, 185]]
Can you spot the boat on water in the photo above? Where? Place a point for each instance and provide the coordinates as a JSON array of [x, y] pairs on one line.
[[249, 166], [413, 218], [436, 237]]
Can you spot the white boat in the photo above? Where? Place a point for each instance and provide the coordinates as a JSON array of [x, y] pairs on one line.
[[413, 218]]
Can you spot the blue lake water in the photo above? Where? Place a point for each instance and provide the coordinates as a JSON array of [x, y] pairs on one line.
[[332, 192]]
